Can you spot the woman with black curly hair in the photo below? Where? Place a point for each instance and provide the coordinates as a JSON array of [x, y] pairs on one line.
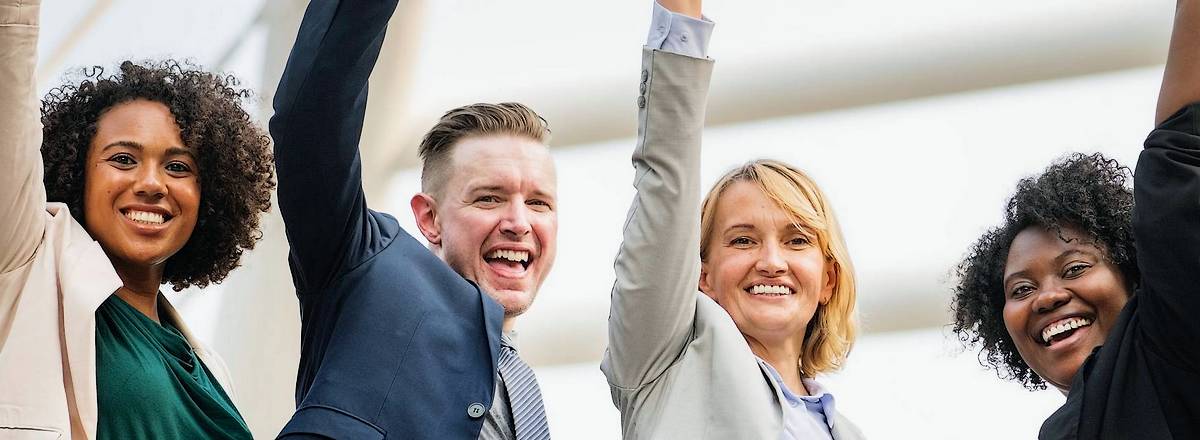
[[153, 174], [1093, 288]]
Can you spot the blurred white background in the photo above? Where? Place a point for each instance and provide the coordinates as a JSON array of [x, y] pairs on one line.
[[916, 118]]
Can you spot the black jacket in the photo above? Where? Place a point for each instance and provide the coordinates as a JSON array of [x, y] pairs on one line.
[[1144, 382]]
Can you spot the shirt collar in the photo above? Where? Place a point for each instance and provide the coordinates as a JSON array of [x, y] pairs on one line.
[[819, 394], [509, 339]]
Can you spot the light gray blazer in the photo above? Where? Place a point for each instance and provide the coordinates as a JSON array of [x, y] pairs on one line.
[[676, 364]]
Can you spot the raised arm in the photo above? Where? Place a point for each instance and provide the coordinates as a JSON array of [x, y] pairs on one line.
[[22, 193], [1166, 215], [657, 266], [1181, 80], [319, 108]]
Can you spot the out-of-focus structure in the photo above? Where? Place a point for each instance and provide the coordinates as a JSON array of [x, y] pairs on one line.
[[916, 117]]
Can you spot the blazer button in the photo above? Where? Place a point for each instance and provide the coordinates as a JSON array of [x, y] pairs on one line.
[[642, 88], [641, 102], [645, 75], [476, 410]]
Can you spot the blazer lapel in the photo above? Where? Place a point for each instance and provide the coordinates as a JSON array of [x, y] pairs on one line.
[[779, 397], [86, 278], [493, 321]]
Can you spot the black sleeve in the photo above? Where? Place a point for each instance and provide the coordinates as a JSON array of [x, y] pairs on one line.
[[1166, 224], [319, 108]]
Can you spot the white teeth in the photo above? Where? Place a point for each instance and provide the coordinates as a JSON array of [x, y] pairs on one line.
[[145, 217], [1059, 327], [517, 256], [762, 289]]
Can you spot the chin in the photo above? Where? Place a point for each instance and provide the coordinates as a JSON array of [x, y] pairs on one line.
[[515, 302], [141, 255]]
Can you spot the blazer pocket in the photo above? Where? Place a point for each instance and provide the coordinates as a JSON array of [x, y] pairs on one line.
[[28, 433], [330, 422]]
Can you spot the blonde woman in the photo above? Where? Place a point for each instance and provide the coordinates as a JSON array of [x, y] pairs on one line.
[[724, 346]]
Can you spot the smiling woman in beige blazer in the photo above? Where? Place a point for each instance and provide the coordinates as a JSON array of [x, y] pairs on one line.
[[161, 178], [777, 304]]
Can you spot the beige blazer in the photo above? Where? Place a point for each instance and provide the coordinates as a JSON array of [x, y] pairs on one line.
[[53, 276], [676, 364]]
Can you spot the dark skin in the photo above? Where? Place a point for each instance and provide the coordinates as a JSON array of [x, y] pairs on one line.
[[141, 196], [1055, 278], [1051, 276]]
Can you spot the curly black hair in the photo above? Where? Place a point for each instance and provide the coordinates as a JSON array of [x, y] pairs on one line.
[[234, 155], [1087, 192]]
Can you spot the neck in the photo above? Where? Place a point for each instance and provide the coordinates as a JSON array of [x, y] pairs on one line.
[[784, 357], [509, 323], [140, 287]]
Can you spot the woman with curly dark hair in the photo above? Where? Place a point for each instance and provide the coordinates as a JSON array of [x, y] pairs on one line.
[[152, 174], [1094, 288]]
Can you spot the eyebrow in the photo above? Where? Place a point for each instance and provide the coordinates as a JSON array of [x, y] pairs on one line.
[[487, 188], [1057, 259], [171, 151], [502, 188], [127, 144], [1008, 279], [741, 226]]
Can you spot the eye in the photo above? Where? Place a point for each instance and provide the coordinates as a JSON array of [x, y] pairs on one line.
[[488, 200], [742, 242], [122, 160], [178, 168], [1075, 270], [1021, 290], [799, 241], [540, 205]]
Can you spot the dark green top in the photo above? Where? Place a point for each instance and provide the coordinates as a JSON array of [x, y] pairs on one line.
[[151, 385]]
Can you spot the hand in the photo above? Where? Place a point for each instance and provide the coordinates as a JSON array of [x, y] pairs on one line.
[[689, 8]]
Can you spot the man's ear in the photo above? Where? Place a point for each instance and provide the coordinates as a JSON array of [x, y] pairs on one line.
[[424, 209]]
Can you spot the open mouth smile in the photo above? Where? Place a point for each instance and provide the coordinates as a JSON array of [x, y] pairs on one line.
[[770, 290], [145, 217], [147, 221], [509, 262], [1059, 330]]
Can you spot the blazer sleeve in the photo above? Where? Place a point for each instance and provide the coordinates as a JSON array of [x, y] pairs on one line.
[[319, 109], [22, 192], [1166, 225], [657, 266]]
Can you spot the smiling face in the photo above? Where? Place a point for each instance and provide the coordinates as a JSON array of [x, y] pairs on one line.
[[1062, 297], [767, 273], [495, 221], [142, 187]]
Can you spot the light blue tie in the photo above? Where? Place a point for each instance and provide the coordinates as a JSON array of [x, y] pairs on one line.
[[529, 416]]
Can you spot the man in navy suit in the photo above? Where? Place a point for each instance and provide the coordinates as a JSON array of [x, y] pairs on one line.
[[396, 343]]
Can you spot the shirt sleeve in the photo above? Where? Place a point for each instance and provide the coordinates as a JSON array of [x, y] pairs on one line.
[[22, 193], [678, 33], [1166, 225]]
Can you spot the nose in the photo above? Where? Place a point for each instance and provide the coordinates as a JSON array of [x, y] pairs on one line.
[[150, 184], [515, 223], [770, 260], [1050, 299]]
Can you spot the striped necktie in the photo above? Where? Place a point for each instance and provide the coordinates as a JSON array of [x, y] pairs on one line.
[[529, 416]]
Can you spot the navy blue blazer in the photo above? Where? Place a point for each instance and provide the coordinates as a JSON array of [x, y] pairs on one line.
[[394, 343]]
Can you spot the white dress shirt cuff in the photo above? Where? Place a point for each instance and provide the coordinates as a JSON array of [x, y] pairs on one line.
[[678, 33]]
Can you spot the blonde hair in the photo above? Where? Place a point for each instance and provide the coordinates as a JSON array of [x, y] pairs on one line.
[[831, 332], [473, 120]]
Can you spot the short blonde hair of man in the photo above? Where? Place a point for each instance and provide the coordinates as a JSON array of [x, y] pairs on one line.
[[831, 332], [480, 119]]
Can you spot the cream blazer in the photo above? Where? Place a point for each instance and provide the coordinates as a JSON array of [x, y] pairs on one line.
[[677, 366], [53, 276]]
